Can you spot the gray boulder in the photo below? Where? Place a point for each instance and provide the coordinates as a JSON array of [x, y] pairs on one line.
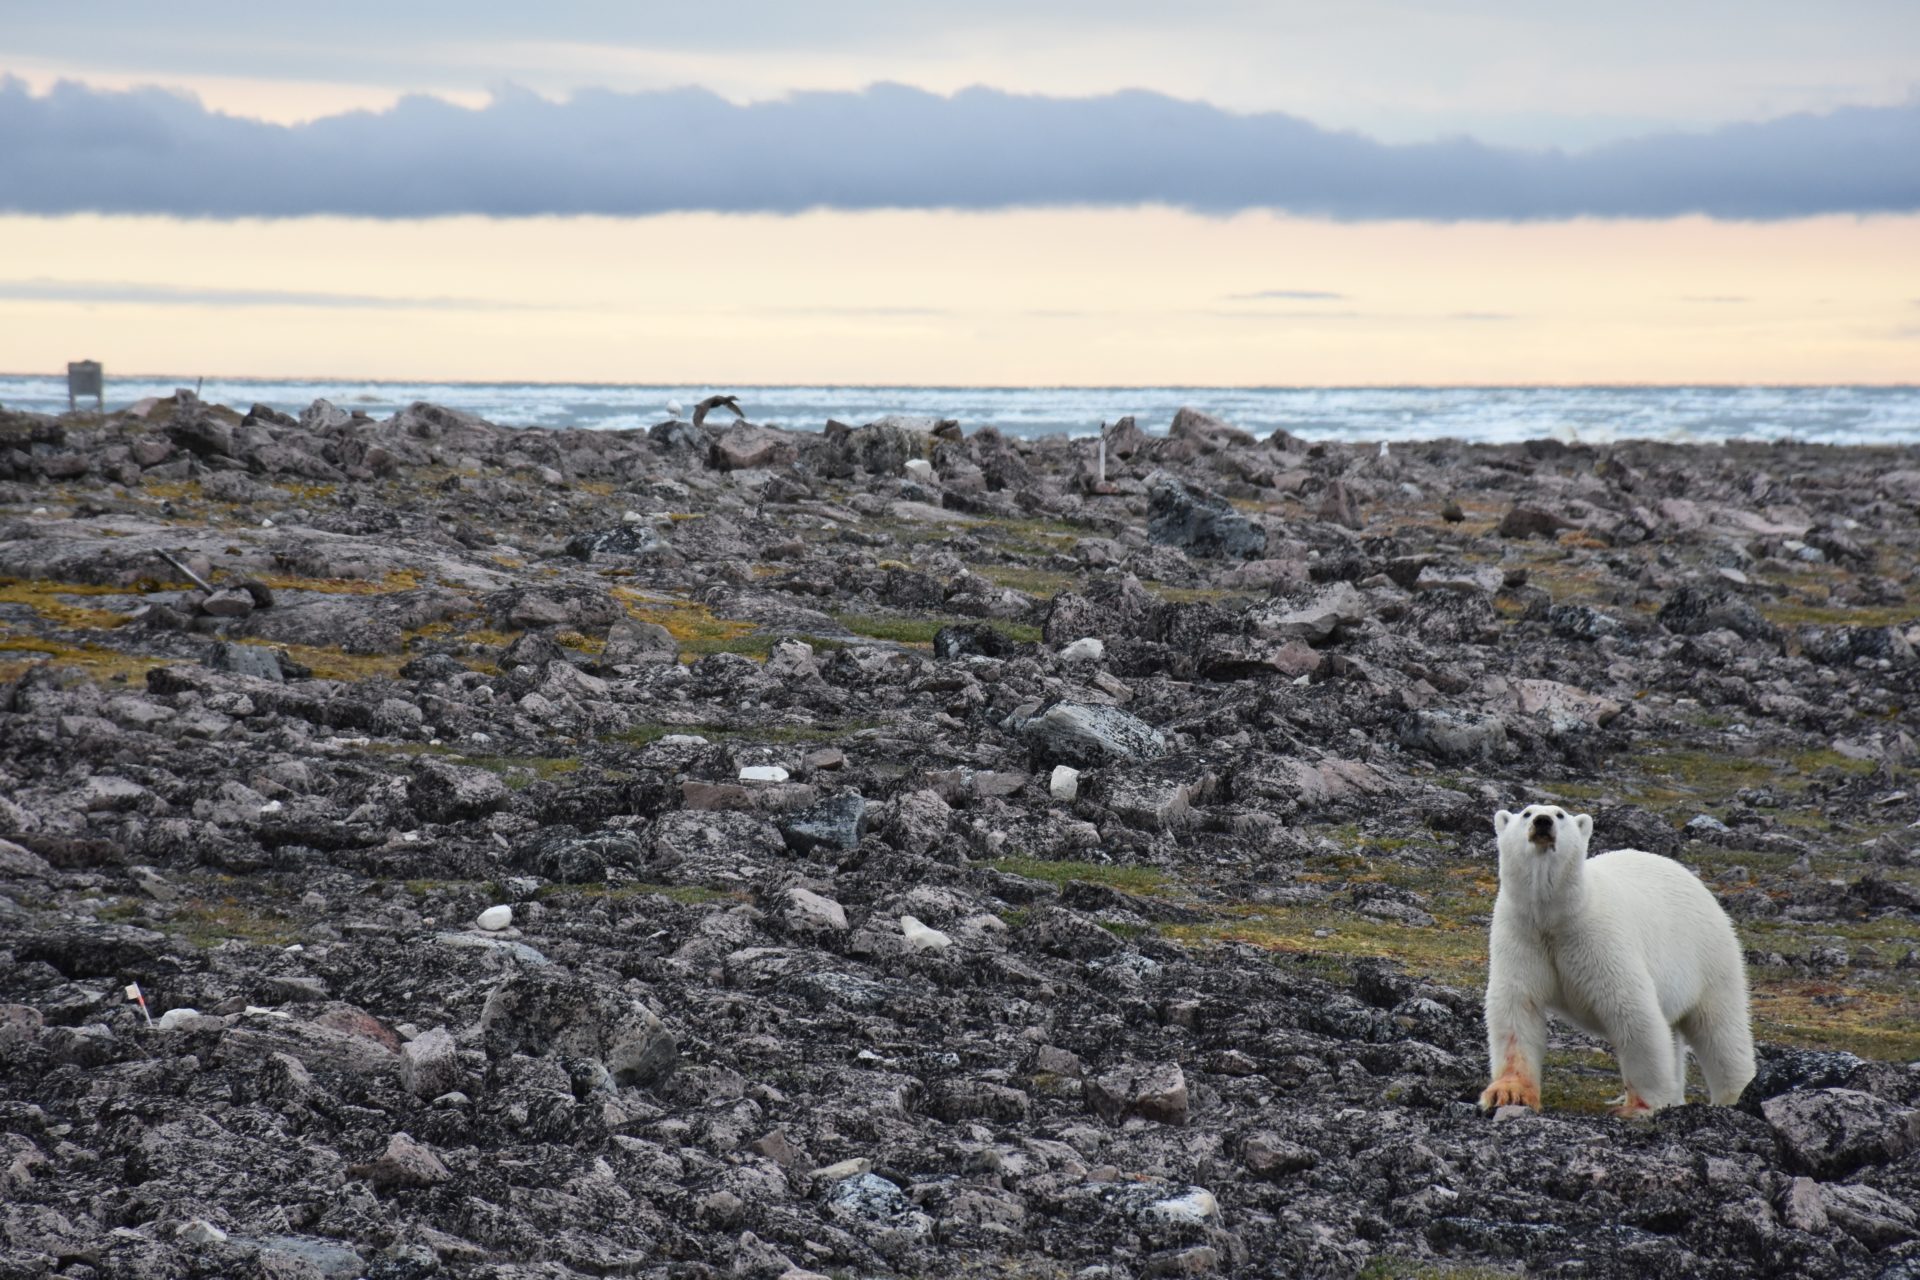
[[1831, 1132], [1312, 616], [837, 823], [1454, 735], [443, 792], [1154, 1091], [1083, 735], [1199, 522]]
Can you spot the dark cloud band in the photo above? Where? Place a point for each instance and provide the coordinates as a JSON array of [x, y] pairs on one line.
[[79, 149]]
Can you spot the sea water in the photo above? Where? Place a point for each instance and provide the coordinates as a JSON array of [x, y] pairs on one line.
[[1818, 414]]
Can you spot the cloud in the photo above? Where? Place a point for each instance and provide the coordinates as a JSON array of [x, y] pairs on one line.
[[78, 149], [1294, 295], [123, 291]]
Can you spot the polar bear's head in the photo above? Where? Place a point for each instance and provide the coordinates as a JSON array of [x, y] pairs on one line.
[[1542, 829]]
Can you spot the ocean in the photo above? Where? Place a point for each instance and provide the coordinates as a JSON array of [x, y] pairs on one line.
[[1827, 415]]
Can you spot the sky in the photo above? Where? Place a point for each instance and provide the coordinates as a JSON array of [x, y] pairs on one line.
[[1237, 192]]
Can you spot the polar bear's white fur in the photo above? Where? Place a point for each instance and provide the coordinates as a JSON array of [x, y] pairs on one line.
[[1628, 945]]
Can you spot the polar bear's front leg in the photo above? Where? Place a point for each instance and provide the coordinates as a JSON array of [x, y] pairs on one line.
[[1516, 1035], [1646, 1048]]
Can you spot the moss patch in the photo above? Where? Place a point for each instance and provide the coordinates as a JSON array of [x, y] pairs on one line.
[[1875, 1021], [920, 631], [47, 599], [386, 584], [1790, 613], [1138, 880], [694, 626], [97, 662], [1037, 582], [208, 924], [1452, 953]]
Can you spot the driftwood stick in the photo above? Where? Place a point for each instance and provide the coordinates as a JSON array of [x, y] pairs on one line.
[[197, 580]]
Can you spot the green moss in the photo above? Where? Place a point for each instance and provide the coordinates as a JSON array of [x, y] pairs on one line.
[[1140, 880], [1815, 761], [208, 925], [523, 771], [1793, 614], [1875, 1020], [1453, 952], [516, 771], [95, 662], [1038, 582], [695, 627], [920, 631], [52, 601], [1581, 1081]]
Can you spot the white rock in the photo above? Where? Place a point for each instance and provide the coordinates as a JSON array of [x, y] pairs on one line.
[[1089, 649], [200, 1231], [763, 773], [920, 469], [1065, 783], [682, 740], [495, 918], [632, 517], [921, 938], [844, 1169], [1197, 1205], [174, 1017]]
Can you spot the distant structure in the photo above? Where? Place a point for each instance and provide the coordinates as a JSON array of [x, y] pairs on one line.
[[84, 378]]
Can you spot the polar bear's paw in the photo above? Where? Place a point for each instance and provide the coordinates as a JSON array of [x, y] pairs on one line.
[[1511, 1090], [1632, 1107]]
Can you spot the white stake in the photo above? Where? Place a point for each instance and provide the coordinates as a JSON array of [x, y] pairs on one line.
[[133, 994]]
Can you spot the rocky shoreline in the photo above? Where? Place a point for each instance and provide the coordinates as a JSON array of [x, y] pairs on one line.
[[924, 854]]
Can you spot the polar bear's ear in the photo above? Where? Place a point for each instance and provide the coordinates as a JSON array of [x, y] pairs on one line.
[[1583, 823], [1500, 821]]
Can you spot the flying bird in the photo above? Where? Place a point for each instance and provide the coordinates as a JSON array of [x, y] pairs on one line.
[[715, 402]]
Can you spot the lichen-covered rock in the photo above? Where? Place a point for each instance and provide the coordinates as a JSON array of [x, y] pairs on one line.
[[1154, 1091], [1077, 734], [1200, 522], [443, 792], [1831, 1132]]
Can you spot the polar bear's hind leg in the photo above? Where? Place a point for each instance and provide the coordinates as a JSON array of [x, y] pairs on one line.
[[1722, 1040]]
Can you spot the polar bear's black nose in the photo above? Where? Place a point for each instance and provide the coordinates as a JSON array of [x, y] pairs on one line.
[[1542, 826]]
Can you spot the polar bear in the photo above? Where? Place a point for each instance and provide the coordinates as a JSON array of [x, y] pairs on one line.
[[1628, 945]]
